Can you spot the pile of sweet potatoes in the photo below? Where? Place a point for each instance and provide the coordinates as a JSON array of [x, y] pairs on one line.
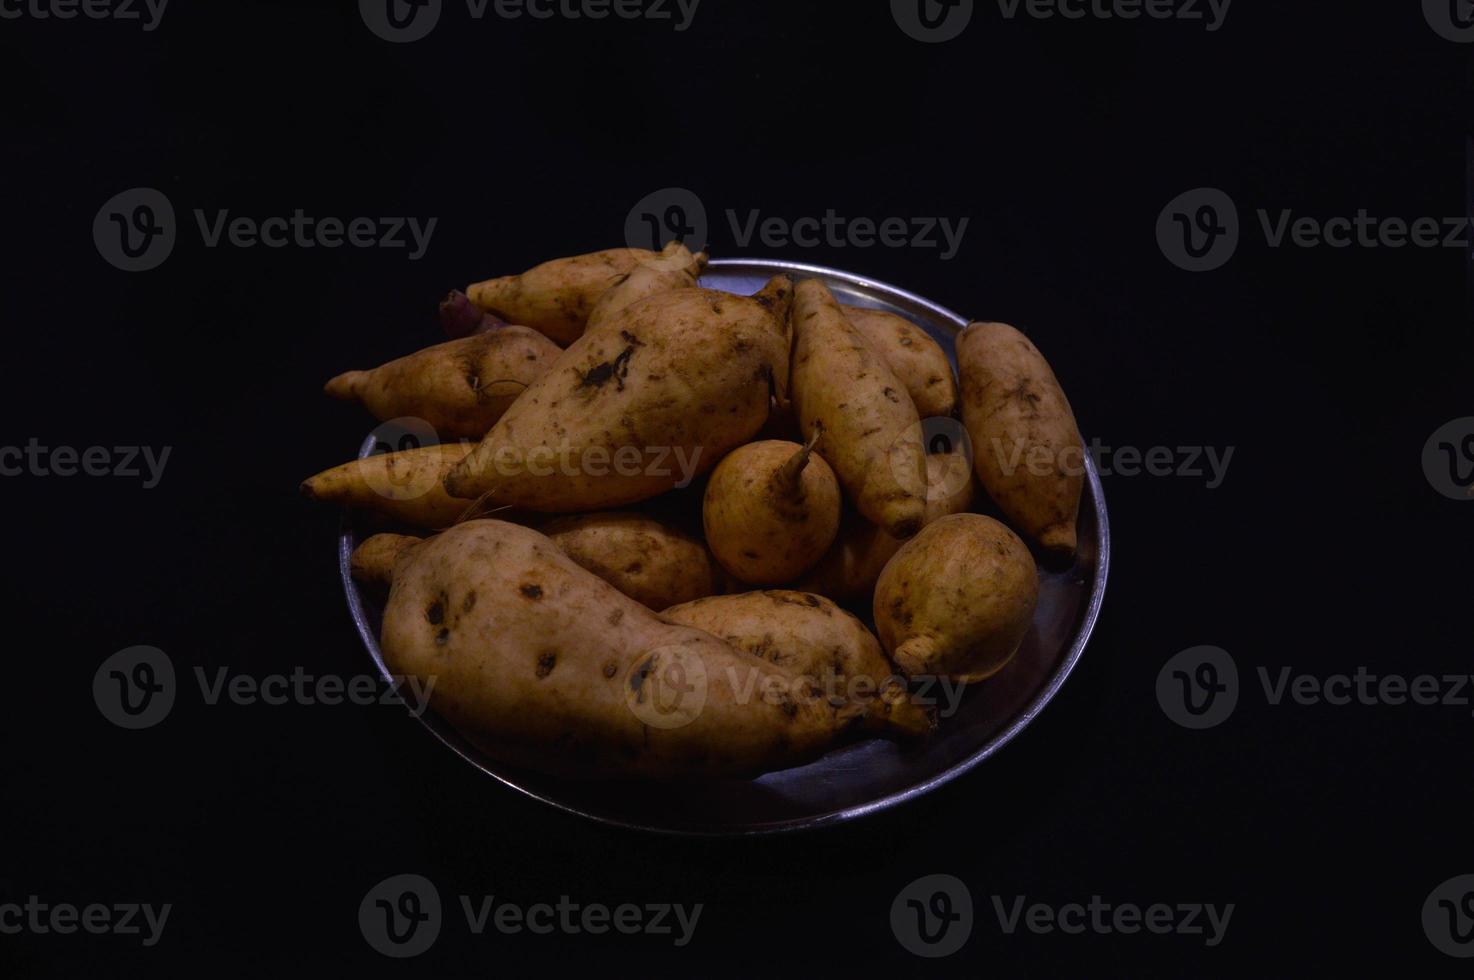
[[647, 509]]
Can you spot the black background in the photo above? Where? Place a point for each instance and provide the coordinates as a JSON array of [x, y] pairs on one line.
[[1061, 141]]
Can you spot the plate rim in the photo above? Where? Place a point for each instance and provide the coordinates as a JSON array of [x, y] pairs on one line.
[[1090, 614]]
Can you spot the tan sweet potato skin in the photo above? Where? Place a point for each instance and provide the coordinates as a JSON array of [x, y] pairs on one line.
[[765, 528], [849, 570], [544, 665], [871, 431], [1015, 412], [401, 488], [460, 388], [957, 600], [674, 268], [652, 562], [683, 376], [372, 562], [916, 359], [810, 635], [557, 297]]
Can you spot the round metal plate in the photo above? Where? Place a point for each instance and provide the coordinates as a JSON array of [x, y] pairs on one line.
[[863, 777]]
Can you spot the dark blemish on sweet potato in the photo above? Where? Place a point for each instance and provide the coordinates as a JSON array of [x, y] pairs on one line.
[[546, 661], [869, 432], [750, 554], [610, 669], [468, 603], [615, 617], [633, 568], [631, 339], [435, 613], [600, 374], [890, 393], [532, 591], [935, 379], [442, 636]]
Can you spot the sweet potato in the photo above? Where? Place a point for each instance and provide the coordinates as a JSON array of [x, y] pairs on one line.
[[655, 396], [544, 665], [770, 511], [916, 359], [648, 560], [460, 387], [848, 571], [957, 599], [869, 430], [811, 636], [673, 268], [1026, 446], [372, 562], [557, 297], [401, 488]]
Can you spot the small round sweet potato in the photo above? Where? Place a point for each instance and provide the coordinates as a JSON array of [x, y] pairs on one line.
[[771, 510], [957, 599]]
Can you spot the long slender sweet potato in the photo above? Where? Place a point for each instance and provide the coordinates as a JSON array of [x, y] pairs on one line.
[[557, 297], [544, 665], [402, 488], [1026, 446], [869, 429], [650, 561], [460, 387], [917, 360]]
